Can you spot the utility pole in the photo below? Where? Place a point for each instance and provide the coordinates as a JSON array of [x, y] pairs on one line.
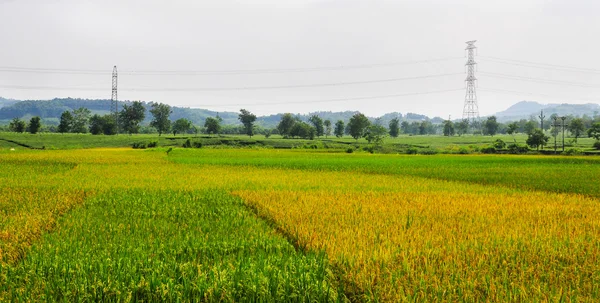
[[471, 109], [555, 125], [114, 103], [563, 118], [541, 116]]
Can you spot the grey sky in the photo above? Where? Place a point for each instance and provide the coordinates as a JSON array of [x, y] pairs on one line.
[[282, 34]]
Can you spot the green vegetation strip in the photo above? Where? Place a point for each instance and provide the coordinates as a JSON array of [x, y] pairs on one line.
[[142, 245], [545, 173]]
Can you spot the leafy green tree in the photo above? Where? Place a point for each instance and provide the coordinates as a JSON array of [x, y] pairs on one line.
[[160, 113], [66, 122], [339, 129], [594, 131], [17, 125], [375, 134], [512, 128], [394, 127], [103, 125], [286, 124], [576, 128], [247, 118], [529, 127], [537, 138], [303, 130], [327, 124], [405, 127], [181, 126], [490, 126], [462, 127], [317, 123], [448, 128], [96, 125], [34, 125], [213, 125], [426, 128], [358, 125], [131, 116], [81, 117]]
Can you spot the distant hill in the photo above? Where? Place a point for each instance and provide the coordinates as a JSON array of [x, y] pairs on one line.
[[50, 111], [7, 102], [524, 109]]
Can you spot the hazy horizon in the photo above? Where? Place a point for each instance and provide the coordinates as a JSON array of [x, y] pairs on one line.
[[323, 52]]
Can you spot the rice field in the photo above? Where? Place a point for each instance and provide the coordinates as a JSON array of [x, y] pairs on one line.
[[296, 226]]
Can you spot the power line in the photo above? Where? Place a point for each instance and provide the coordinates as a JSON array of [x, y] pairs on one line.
[[497, 90], [542, 65], [337, 99], [236, 88], [216, 72], [539, 80]]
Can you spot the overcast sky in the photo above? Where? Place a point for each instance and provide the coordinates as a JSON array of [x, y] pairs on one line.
[[369, 39]]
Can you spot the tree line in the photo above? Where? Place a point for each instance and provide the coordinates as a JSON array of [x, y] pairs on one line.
[[129, 120]]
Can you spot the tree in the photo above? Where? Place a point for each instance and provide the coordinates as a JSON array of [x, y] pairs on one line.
[[160, 113], [339, 129], [17, 125], [594, 131], [529, 127], [512, 128], [537, 138], [317, 123], [103, 125], [286, 124], [426, 128], [462, 127], [490, 126], [247, 118], [66, 122], [213, 125], [96, 125], [181, 125], [448, 128], [576, 128], [358, 125], [81, 117], [375, 134], [34, 125], [394, 127], [405, 127], [131, 116], [327, 124], [303, 130]]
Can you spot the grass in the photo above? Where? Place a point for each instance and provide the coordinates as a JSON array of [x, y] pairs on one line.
[[391, 145], [296, 225]]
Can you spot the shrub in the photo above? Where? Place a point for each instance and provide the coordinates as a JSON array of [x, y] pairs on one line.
[[197, 144], [499, 144], [369, 149], [412, 151], [428, 151], [152, 144], [350, 150], [572, 152], [187, 143], [463, 151], [138, 145], [597, 145], [488, 150], [517, 149]]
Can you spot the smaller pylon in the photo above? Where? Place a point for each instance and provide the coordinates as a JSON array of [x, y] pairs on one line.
[[114, 103]]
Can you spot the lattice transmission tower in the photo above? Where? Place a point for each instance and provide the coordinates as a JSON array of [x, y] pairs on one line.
[[471, 109], [114, 103]]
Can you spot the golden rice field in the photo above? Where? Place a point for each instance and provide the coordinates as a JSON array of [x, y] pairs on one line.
[[241, 225]]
